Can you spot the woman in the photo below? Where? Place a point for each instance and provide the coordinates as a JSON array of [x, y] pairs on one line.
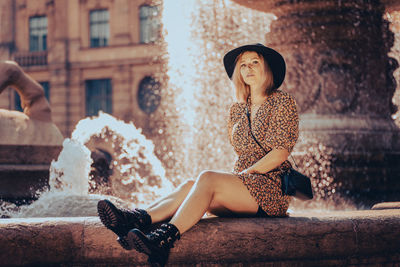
[[254, 187]]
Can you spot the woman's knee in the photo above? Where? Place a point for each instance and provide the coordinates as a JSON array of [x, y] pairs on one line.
[[207, 178], [187, 185]]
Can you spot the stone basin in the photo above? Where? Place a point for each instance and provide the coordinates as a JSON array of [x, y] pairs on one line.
[[27, 148], [348, 238]]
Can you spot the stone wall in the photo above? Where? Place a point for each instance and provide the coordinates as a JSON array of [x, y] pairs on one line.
[[333, 239]]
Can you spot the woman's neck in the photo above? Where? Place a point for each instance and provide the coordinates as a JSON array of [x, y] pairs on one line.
[[257, 95], [257, 99]]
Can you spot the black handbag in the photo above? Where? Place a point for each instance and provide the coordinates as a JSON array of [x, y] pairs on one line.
[[294, 183]]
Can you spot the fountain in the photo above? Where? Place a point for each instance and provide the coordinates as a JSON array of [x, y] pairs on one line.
[[29, 140], [306, 237], [137, 177], [342, 78]]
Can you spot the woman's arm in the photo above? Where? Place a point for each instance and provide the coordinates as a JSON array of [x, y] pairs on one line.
[[235, 111], [281, 135], [269, 162]]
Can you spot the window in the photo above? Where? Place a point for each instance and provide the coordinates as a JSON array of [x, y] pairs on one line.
[[99, 28], [38, 33], [149, 24], [149, 95], [98, 96], [17, 99]]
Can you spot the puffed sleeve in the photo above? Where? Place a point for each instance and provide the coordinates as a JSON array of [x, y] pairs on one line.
[[283, 128], [234, 113]]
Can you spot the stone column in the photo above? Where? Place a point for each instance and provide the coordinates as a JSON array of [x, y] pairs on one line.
[[342, 78], [7, 29], [58, 64]]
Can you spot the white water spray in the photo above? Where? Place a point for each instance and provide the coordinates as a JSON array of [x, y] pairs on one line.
[[69, 174]]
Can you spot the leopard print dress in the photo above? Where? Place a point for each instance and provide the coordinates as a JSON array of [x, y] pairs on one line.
[[275, 125]]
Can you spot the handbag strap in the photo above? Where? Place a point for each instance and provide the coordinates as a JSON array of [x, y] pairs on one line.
[[255, 139], [251, 131]]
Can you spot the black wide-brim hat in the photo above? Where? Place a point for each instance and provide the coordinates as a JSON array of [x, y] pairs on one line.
[[274, 59]]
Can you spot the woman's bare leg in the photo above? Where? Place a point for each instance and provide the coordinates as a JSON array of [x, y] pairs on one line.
[[166, 207], [213, 191]]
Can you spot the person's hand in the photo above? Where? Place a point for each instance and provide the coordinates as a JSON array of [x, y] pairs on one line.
[[248, 171]]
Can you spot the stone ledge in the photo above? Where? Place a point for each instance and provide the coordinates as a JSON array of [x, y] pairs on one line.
[[335, 238]]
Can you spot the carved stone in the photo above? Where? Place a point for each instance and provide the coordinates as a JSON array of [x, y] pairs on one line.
[[29, 141], [31, 92]]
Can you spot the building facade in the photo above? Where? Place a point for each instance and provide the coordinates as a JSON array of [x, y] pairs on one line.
[[89, 55]]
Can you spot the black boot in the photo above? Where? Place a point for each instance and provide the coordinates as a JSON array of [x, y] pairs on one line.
[[120, 221], [156, 244]]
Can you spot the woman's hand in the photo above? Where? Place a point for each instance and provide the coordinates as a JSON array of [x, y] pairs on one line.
[[269, 162], [249, 171]]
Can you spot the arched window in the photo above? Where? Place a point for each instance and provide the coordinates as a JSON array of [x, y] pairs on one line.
[[149, 95], [149, 24]]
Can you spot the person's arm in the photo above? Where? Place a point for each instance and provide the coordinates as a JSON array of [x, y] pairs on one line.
[[235, 111], [230, 122], [281, 136], [269, 162]]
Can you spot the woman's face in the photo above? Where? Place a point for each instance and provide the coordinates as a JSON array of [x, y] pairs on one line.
[[252, 69]]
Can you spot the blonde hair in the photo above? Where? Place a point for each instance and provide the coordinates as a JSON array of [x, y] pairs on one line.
[[243, 89]]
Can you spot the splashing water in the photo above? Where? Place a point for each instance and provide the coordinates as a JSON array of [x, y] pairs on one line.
[[68, 172], [69, 175], [195, 106], [394, 18], [198, 33], [68, 186], [138, 175], [180, 102]]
